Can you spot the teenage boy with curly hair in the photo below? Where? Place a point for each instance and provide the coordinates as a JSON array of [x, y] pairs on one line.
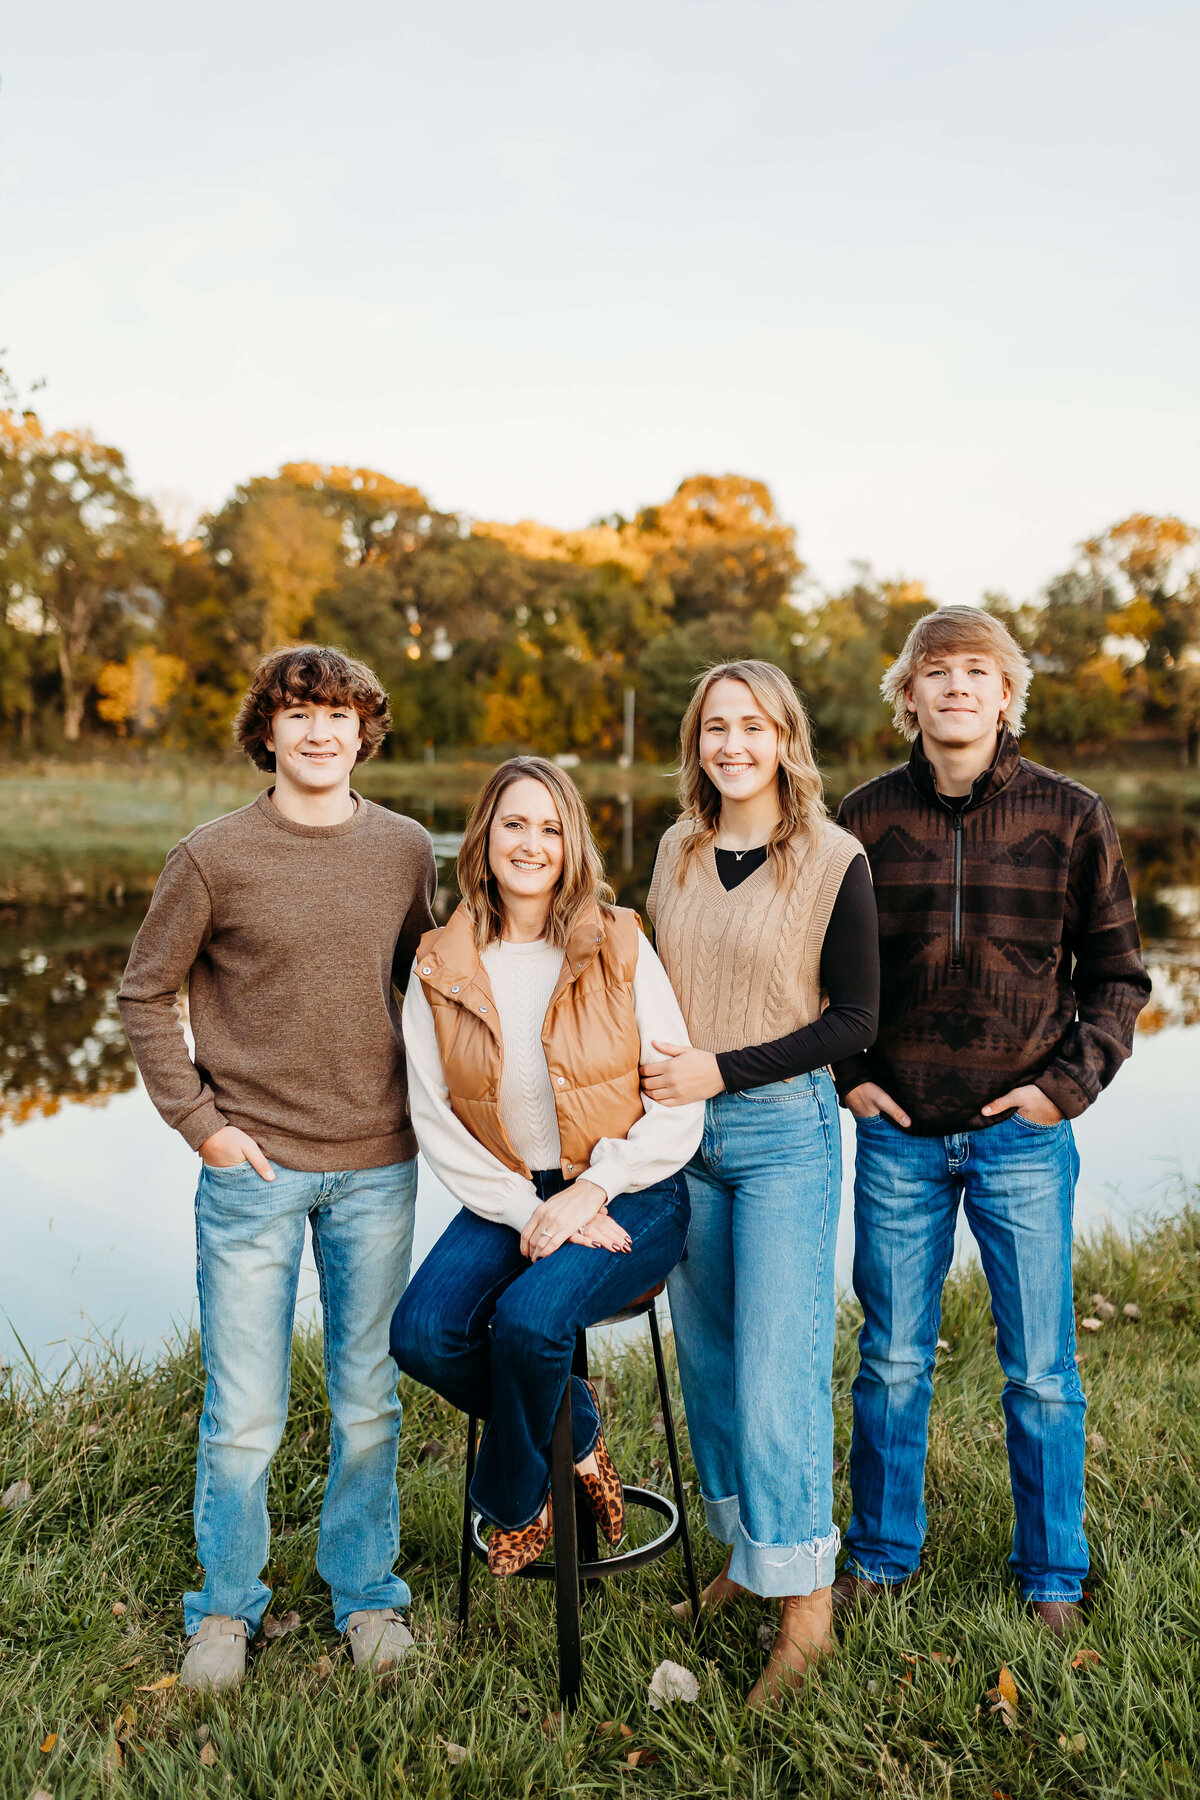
[[292, 922], [1011, 982]]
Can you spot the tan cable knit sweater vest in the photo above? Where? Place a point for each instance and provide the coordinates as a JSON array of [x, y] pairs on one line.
[[745, 965]]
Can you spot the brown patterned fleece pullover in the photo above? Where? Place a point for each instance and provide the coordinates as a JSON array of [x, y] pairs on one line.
[[1009, 948]]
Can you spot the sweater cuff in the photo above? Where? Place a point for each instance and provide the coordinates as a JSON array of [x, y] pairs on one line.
[[609, 1176], [851, 1074], [1060, 1086], [199, 1126], [727, 1065]]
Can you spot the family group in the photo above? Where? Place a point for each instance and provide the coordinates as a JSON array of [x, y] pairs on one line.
[[955, 961]]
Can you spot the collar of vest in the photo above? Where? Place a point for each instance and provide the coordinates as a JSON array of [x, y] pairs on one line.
[[451, 965]]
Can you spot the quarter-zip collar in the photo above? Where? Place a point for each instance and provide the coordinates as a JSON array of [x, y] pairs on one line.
[[1000, 772]]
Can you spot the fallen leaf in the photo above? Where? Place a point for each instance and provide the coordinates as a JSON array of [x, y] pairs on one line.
[[208, 1756], [276, 1628], [48, 1742], [670, 1681], [1086, 1655], [19, 1494], [627, 1731], [1097, 1441], [203, 1733], [1132, 1310], [1007, 1687], [1089, 1324], [552, 1724], [942, 1656], [306, 1440], [160, 1686], [117, 1754], [1076, 1744], [324, 1668], [942, 1344], [999, 1794], [118, 1607], [455, 1754], [432, 1450], [133, 1662], [642, 1759], [40, 1794], [657, 1426]]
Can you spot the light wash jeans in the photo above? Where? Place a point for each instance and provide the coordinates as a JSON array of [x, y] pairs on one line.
[[1016, 1182], [752, 1306], [249, 1239]]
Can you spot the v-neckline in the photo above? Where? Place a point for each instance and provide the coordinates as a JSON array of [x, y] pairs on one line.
[[764, 876]]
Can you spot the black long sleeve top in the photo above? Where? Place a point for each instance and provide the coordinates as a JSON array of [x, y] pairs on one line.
[[849, 976]]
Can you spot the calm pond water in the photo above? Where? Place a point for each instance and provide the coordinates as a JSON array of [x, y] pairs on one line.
[[95, 1191]]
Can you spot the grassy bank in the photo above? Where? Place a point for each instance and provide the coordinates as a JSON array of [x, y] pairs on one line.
[[91, 1567]]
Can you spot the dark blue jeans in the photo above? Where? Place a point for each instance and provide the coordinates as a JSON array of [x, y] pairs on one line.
[[494, 1333], [1016, 1182]]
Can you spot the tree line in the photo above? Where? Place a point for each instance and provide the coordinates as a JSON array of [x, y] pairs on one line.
[[490, 636]]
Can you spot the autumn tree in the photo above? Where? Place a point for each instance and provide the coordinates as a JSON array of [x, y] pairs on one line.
[[1151, 564], [77, 545]]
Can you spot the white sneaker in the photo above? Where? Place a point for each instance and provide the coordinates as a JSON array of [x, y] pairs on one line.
[[216, 1656], [379, 1639]]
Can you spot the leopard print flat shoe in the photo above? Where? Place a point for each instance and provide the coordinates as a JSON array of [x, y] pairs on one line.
[[603, 1491], [511, 1551]]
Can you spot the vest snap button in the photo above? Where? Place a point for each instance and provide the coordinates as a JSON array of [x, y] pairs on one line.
[[562, 1081], [427, 970], [482, 1006], [570, 1165], [454, 989]]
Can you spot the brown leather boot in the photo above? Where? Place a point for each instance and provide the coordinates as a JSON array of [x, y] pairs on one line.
[[1062, 1617], [805, 1634], [719, 1592], [852, 1591]]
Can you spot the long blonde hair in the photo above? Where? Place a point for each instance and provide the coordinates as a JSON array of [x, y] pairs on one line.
[[581, 883], [801, 796]]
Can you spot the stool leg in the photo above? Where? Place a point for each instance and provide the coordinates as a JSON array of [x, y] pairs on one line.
[[585, 1525], [685, 1535], [566, 1556], [464, 1568]]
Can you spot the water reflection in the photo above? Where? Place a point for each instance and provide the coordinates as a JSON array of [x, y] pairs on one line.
[[117, 1183]]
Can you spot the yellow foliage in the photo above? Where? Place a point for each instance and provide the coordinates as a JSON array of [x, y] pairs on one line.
[[135, 694], [595, 545]]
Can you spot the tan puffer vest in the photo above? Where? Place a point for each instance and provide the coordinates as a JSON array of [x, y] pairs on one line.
[[590, 1035]]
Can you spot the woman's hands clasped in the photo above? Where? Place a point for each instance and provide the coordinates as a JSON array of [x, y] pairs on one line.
[[576, 1216]]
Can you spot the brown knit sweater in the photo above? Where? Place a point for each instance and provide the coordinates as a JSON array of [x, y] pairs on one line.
[[290, 939], [745, 964]]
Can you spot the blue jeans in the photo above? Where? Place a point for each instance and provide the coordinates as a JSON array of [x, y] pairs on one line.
[[1017, 1185], [494, 1334], [752, 1309], [249, 1238]]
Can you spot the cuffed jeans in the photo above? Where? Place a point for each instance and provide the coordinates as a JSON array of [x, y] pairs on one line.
[[752, 1310], [1017, 1184], [494, 1333], [249, 1239]]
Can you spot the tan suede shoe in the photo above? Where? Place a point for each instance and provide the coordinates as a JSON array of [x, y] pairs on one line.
[[216, 1656], [805, 1634], [379, 1639]]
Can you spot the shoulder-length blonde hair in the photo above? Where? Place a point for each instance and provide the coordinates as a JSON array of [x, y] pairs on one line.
[[582, 882], [801, 796]]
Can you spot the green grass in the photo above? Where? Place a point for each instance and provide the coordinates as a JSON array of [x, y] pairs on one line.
[[110, 1461]]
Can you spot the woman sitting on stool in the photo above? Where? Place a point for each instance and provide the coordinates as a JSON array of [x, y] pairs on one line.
[[524, 1029]]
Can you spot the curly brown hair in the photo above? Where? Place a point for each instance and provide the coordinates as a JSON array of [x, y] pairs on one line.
[[309, 672]]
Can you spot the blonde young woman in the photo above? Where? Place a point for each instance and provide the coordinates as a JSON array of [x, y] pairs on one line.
[[524, 1027], [765, 922]]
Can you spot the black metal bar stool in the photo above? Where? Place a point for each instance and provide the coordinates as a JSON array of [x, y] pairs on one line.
[[576, 1548]]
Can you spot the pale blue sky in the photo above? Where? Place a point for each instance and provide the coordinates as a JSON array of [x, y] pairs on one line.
[[931, 270]]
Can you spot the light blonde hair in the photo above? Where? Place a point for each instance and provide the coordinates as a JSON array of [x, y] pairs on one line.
[[801, 796], [581, 883], [942, 633]]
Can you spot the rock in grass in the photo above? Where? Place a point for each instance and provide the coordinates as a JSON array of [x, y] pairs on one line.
[[19, 1494], [672, 1682]]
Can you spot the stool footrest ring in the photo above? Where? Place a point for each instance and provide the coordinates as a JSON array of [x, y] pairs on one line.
[[624, 1560]]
